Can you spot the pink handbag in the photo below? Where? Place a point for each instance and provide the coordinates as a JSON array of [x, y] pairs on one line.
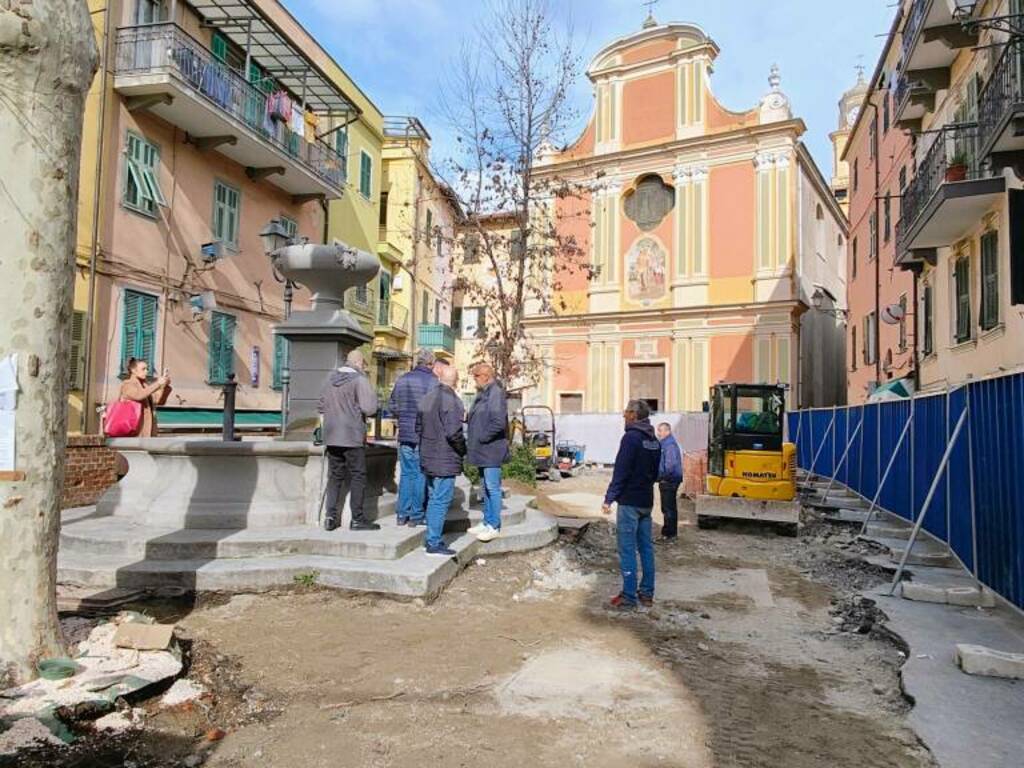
[[122, 418]]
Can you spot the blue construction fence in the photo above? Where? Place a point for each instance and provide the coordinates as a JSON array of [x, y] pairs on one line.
[[978, 506]]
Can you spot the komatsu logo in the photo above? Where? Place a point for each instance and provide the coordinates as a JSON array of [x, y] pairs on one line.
[[759, 475]]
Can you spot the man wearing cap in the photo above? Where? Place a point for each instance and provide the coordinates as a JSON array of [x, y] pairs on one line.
[[409, 391], [632, 488]]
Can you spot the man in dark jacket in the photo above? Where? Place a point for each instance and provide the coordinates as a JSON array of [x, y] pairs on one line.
[[442, 446], [670, 475], [346, 402], [404, 404], [487, 438], [632, 488]]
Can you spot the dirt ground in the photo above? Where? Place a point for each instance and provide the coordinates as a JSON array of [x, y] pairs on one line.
[[759, 652]]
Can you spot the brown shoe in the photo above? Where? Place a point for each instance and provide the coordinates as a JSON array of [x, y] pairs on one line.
[[646, 600]]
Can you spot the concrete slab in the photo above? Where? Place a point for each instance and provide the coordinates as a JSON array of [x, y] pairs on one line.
[[966, 596], [988, 662], [579, 504], [965, 720]]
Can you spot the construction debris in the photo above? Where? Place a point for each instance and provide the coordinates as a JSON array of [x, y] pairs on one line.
[[988, 662]]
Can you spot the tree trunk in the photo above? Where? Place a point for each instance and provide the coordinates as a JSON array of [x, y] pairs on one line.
[[47, 60]]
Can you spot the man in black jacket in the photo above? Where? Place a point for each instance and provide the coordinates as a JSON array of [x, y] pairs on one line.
[[487, 438], [632, 488], [442, 446]]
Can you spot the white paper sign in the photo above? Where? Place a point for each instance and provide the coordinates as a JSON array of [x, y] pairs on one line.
[[6, 441], [8, 382]]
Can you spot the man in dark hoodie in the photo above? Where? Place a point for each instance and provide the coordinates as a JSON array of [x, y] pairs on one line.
[[442, 446], [487, 439], [346, 402], [632, 488], [409, 391]]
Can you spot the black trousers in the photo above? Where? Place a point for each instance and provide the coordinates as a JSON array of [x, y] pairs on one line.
[[669, 509], [346, 466]]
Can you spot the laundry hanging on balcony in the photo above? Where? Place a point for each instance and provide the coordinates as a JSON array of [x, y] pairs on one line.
[[311, 123], [216, 83], [279, 106]]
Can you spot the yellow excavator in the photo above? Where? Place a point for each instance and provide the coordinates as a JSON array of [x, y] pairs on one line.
[[751, 470]]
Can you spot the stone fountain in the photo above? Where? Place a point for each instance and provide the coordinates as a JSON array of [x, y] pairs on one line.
[[210, 515]]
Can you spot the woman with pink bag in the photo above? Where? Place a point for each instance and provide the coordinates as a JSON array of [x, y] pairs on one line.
[[134, 415]]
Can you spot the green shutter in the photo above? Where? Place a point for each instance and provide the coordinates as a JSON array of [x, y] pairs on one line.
[[280, 361], [225, 214], [989, 280], [365, 174], [341, 147], [221, 349], [220, 47], [138, 329], [963, 300], [76, 369]]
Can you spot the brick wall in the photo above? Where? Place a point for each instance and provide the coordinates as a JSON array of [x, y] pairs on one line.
[[695, 472], [89, 469]]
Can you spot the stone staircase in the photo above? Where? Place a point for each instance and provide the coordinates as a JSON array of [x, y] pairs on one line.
[[104, 551]]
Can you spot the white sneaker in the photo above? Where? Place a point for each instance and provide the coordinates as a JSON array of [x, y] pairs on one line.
[[488, 534], [478, 528]]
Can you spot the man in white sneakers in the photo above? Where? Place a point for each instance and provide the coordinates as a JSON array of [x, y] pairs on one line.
[[487, 440]]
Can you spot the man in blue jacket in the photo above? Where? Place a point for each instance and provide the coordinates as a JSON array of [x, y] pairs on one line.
[[632, 488], [409, 391], [670, 476], [442, 446], [487, 439]]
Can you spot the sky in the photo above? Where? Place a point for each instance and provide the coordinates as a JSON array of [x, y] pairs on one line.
[[397, 50]]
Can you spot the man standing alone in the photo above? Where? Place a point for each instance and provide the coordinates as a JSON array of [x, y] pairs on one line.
[[632, 488], [487, 438], [346, 402], [405, 401], [442, 446], [670, 475]]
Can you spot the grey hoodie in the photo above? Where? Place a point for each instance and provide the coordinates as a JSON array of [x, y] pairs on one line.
[[346, 400]]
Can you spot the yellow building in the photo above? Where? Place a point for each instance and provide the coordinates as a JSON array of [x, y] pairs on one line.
[[206, 121], [417, 225]]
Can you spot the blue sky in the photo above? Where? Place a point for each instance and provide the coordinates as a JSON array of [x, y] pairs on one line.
[[396, 50]]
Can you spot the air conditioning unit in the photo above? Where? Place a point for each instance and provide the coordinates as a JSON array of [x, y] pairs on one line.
[[212, 252], [202, 303]]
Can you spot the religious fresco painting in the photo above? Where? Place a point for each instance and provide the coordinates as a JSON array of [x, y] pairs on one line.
[[646, 267]]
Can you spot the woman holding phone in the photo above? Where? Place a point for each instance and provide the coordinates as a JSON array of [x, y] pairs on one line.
[[136, 388]]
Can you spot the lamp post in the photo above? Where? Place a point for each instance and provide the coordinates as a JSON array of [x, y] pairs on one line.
[[276, 238], [818, 302]]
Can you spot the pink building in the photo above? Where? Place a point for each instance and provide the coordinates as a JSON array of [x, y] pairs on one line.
[[710, 232]]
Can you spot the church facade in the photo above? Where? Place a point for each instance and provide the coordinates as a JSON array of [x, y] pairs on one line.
[[711, 236]]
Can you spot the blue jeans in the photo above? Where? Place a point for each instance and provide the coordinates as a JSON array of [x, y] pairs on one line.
[[492, 496], [441, 491], [412, 483], [634, 533]]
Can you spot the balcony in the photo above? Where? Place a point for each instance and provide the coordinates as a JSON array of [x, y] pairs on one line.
[[392, 319], [1001, 107], [438, 337], [932, 38], [948, 196], [161, 68]]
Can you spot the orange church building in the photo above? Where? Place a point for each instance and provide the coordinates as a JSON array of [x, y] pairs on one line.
[[711, 234]]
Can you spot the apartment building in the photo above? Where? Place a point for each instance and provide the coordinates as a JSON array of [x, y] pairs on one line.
[[881, 332], [208, 119], [959, 86]]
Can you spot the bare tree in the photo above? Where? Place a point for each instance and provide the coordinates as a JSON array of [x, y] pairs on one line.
[[47, 60], [507, 101]]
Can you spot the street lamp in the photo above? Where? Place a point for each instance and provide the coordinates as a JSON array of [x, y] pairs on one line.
[[274, 236], [818, 302], [964, 14]]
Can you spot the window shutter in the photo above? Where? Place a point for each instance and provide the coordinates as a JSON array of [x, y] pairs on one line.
[[929, 340], [146, 347], [221, 348], [220, 47], [365, 174], [138, 329], [963, 301], [989, 280], [76, 370]]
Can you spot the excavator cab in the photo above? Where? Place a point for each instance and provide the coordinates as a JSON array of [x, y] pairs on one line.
[[751, 470]]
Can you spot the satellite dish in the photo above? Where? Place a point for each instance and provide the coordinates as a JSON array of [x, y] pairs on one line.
[[893, 314]]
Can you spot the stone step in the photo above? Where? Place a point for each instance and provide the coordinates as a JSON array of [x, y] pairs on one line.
[[883, 530], [118, 537], [415, 574], [933, 557], [970, 596]]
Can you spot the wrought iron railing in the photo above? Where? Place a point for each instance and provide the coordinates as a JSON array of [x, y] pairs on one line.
[[952, 157], [391, 315], [436, 336], [166, 48], [1003, 91], [915, 19]]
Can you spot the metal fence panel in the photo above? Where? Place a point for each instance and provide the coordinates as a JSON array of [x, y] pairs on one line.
[[979, 507]]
